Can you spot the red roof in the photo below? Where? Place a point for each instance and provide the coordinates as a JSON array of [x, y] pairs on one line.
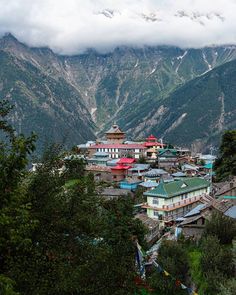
[[148, 144], [126, 161], [121, 167], [118, 146], [151, 137]]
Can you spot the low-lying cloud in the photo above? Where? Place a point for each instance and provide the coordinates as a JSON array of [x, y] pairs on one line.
[[72, 26]]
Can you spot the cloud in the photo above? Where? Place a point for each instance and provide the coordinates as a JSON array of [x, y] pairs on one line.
[[72, 26]]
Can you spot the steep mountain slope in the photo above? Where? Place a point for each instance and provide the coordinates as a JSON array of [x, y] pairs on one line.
[[86, 93], [51, 108], [199, 111]]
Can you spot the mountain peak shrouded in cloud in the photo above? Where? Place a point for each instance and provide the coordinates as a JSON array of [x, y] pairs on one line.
[[72, 26]]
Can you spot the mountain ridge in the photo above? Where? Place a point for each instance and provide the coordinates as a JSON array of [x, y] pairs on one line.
[[122, 86]]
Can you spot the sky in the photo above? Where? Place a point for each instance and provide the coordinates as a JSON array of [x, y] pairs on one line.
[[72, 26]]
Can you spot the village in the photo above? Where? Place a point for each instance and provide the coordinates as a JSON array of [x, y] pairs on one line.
[[172, 188]]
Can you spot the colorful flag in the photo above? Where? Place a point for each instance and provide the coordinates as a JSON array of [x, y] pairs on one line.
[[183, 286], [140, 260], [159, 269], [166, 273]]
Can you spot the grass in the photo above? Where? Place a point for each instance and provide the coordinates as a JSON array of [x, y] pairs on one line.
[[71, 183], [195, 269]]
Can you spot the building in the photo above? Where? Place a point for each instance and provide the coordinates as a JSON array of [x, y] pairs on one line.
[[119, 150], [154, 174], [119, 172], [115, 135], [114, 193], [193, 223], [130, 185], [152, 146], [152, 226], [227, 189], [99, 159], [174, 199], [167, 158], [100, 173]]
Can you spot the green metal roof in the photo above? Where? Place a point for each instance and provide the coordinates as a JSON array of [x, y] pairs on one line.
[[172, 152], [230, 197], [175, 188]]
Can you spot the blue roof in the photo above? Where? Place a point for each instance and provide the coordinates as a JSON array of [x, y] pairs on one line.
[[231, 212], [155, 172], [149, 184], [195, 210], [179, 174], [138, 167]]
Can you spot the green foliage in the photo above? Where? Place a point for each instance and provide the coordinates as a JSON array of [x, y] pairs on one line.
[[142, 160], [222, 262], [74, 168], [225, 164], [173, 258], [51, 227], [7, 286], [216, 264], [228, 288], [221, 226], [15, 222]]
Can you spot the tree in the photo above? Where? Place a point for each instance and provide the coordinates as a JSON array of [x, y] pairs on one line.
[[216, 263], [173, 258], [142, 160], [59, 239], [15, 223], [225, 164], [221, 226]]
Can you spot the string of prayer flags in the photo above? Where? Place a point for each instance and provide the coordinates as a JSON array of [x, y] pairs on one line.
[[183, 286], [166, 273], [140, 260], [191, 292], [159, 269], [141, 263], [177, 283]]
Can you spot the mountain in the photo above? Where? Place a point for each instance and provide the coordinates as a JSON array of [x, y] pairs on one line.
[[199, 111], [42, 103], [80, 96]]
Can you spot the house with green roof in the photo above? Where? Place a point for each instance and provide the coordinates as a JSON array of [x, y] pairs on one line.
[[171, 200], [167, 158]]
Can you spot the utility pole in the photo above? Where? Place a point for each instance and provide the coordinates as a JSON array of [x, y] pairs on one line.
[[211, 170]]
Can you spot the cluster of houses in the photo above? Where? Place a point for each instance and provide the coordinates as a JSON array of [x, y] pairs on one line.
[[170, 186], [176, 186]]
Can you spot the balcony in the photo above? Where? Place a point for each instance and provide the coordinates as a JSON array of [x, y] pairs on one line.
[[174, 206]]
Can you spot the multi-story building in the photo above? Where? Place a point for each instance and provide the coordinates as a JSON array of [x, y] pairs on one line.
[[119, 150], [115, 135], [171, 200]]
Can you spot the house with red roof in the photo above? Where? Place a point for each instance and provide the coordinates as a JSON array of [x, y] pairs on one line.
[[119, 172], [126, 161]]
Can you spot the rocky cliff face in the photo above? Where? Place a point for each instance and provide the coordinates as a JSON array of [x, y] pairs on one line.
[[84, 94]]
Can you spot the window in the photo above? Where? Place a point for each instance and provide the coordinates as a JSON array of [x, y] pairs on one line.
[[155, 201], [155, 213]]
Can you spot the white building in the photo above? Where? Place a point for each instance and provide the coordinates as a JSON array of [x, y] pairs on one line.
[[172, 200]]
